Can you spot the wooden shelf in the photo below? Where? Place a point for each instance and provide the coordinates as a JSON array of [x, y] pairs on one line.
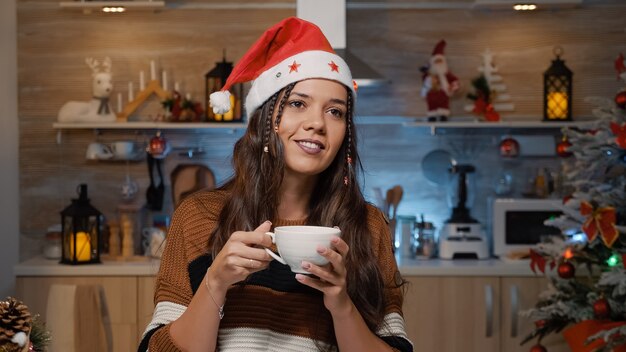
[[468, 124], [148, 125], [226, 126], [89, 6]]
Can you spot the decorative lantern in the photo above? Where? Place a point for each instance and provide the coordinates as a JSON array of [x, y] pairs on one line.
[[214, 80], [80, 231], [557, 90]]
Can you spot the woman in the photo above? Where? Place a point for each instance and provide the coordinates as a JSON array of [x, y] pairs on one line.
[[217, 288]]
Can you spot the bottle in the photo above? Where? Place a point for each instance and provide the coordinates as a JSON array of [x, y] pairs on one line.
[[424, 243], [404, 232], [114, 239], [540, 184]]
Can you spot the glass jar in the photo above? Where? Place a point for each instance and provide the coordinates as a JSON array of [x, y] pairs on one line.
[[52, 245], [424, 244]]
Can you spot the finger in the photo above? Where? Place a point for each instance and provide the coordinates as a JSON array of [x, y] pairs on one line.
[[255, 265], [311, 282], [251, 253], [264, 227], [339, 245], [335, 259], [325, 274]]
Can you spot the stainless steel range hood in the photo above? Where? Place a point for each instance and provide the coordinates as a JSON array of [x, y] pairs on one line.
[[330, 16]]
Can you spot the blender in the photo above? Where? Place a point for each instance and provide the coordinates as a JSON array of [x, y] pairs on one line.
[[462, 236]]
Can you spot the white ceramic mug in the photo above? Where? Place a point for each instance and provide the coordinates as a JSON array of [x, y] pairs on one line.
[[123, 149], [299, 243], [98, 151]]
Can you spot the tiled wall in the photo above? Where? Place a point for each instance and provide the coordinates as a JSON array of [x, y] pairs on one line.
[[52, 45]]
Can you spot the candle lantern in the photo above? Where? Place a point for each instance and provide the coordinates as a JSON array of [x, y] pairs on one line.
[[557, 90], [80, 231], [214, 80]]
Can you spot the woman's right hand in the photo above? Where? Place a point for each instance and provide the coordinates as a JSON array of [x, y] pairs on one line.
[[243, 254]]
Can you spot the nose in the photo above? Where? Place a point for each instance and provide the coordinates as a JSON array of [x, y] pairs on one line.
[[315, 121]]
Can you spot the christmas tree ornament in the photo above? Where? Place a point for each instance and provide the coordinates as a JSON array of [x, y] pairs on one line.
[[509, 147], [601, 308], [158, 146], [620, 99], [600, 221], [620, 134], [566, 270], [540, 323], [538, 348], [562, 148]]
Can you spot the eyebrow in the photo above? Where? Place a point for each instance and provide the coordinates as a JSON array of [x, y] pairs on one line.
[[334, 100]]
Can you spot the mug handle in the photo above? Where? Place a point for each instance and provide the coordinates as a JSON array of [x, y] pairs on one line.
[[272, 254]]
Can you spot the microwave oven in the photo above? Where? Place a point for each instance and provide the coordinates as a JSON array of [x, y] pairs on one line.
[[518, 223]]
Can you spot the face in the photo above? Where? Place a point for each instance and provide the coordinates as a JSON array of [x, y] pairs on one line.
[[439, 65], [313, 126]]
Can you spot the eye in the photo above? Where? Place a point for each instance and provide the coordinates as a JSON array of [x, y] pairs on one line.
[[298, 104], [336, 112]]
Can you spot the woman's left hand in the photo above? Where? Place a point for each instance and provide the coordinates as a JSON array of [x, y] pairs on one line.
[[331, 278]]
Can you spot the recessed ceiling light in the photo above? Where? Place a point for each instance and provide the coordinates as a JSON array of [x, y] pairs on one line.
[[113, 9], [524, 7]]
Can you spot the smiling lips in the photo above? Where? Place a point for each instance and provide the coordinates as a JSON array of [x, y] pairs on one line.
[[310, 146]]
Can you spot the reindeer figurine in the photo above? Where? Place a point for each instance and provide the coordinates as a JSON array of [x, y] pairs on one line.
[[98, 108]]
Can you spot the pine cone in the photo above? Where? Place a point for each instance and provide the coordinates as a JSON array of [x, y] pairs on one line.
[[14, 318]]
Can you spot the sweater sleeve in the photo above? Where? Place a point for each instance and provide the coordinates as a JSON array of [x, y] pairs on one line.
[[172, 290], [392, 331]]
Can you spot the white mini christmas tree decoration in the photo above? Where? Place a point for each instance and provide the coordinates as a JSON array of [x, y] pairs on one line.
[[489, 70]]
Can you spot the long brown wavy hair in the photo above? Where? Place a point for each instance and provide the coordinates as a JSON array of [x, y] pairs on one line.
[[336, 200]]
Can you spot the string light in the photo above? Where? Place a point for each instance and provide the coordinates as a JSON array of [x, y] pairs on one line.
[[568, 254], [613, 260]]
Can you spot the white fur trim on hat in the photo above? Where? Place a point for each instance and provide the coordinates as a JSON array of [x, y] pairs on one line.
[[308, 64], [220, 101]]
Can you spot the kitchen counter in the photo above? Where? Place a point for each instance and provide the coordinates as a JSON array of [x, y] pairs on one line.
[[408, 267]]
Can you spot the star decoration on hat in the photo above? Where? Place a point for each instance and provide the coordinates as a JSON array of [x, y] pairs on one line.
[[333, 66], [294, 67]]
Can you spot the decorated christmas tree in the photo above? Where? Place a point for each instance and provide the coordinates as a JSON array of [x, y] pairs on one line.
[[586, 267]]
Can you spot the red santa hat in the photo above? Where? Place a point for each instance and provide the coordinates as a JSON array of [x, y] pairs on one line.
[[288, 52], [439, 48]]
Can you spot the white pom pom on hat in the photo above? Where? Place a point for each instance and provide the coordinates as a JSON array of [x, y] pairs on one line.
[[220, 101], [288, 52]]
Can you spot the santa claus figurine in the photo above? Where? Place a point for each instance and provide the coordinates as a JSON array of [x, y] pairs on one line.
[[439, 85]]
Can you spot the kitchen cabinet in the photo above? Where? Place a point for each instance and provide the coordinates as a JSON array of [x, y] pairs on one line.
[[120, 295], [455, 313]]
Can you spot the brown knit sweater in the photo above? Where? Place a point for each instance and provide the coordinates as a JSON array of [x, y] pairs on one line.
[[251, 322]]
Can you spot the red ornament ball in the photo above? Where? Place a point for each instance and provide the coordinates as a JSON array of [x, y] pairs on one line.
[[562, 148], [620, 99], [157, 146], [566, 270], [601, 308], [540, 323], [538, 348], [509, 147]]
